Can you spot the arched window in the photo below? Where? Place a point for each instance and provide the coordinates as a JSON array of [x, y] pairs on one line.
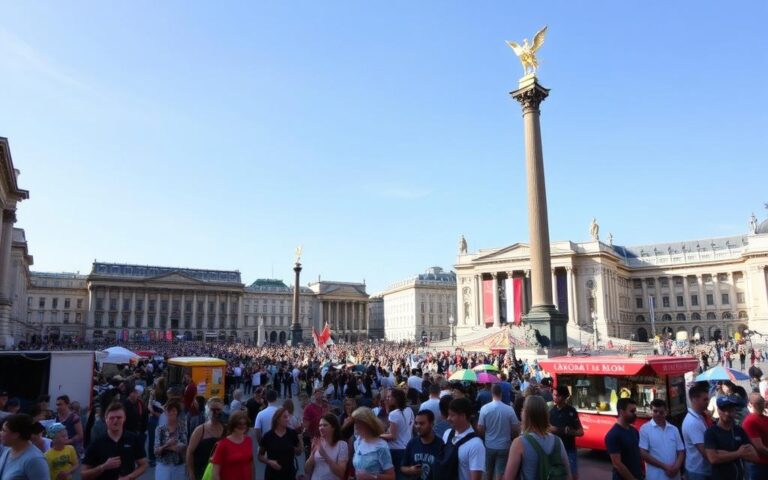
[[680, 317], [727, 316], [695, 316], [711, 316], [666, 317], [642, 334], [640, 319], [743, 315]]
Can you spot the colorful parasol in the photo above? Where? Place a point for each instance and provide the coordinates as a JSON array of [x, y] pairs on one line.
[[485, 377], [722, 373], [486, 368], [463, 375]]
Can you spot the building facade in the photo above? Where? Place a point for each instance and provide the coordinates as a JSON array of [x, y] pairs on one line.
[[10, 196], [344, 307], [420, 307], [57, 305], [705, 289], [376, 317], [269, 309]]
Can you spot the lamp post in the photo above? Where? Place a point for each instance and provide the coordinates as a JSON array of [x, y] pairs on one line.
[[452, 324], [594, 327]]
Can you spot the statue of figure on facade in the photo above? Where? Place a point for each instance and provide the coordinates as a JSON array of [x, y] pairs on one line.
[[752, 223], [594, 230], [610, 239], [462, 245]]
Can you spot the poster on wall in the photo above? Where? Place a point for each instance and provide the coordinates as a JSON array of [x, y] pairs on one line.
[[488, 301]]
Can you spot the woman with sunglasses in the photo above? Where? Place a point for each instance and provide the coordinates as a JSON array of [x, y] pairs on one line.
[[203, 439], [233, 456], [279, 448], [330, 453]]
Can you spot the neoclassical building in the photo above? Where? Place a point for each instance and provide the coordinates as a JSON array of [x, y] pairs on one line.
[[707, 288], [57, 304], [14, 267], [376, 317], [344, 306], [268, 306], [420, 306]]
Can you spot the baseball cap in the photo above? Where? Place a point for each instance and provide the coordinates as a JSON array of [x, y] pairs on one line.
[[728, 401], [55, 428]]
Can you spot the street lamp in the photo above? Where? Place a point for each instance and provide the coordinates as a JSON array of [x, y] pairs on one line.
[[452, 323], [594, 328]]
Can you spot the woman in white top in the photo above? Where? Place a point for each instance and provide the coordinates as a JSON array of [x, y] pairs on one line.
[[400, 428], [330, 455]]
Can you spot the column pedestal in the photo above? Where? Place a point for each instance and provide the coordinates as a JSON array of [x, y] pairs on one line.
[[296, 333]]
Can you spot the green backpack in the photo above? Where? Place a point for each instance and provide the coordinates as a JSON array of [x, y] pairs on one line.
[[551, 466]]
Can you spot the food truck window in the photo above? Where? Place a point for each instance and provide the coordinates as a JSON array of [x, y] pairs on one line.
[[176, 374], [599, 393]]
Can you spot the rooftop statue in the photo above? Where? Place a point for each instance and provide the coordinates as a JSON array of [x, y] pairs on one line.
[[527, 53]]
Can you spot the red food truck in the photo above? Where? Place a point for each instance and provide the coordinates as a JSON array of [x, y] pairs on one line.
[[596, 383]]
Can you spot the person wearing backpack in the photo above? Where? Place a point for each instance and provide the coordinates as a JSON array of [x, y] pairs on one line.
[[464, 450], [537, 454]]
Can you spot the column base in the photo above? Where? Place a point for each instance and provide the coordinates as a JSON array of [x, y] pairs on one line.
[[296, 334], [550, 327]]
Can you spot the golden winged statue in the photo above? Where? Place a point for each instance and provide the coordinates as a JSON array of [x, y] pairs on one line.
[[299, 249], [527, 53]]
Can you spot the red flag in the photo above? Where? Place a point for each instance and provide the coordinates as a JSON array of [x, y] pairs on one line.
[[325, 335]]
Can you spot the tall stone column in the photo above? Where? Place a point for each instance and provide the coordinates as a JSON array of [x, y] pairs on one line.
[[543, 316], [701, 293], [296, 339], [6, 300], [496, 311], [571, 296], [481, 301]]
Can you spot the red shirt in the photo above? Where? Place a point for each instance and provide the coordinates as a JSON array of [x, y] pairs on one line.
[[756, 426], [312, 414], [234, 459], [190, 392]]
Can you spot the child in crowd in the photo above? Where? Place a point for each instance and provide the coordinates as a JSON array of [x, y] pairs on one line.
[[62, 459]]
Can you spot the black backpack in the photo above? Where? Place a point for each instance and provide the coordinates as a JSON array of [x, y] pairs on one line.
[[447, 465]]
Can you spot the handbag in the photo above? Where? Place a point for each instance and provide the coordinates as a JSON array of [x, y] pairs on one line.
[[208, 472]]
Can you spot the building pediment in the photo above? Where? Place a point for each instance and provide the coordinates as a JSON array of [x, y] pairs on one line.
[[177, 278], [342, 291], [517, 251]]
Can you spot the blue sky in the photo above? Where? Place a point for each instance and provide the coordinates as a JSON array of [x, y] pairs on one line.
[[223, 134]]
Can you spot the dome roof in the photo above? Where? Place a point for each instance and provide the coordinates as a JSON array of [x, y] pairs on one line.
[[762, 228]]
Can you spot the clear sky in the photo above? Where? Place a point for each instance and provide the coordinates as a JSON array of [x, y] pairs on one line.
[[223, 134]]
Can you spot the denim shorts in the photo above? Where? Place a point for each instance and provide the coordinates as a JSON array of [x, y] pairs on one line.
[[495, 461]]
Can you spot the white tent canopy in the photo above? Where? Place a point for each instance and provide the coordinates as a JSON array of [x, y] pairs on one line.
[[117, 356]]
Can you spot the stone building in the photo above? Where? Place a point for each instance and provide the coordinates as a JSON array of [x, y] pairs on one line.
[[57, 305], [420, 306], [344, 306], [376, 317], [21, 260], [10, 195], [707, 288], [269, 306]]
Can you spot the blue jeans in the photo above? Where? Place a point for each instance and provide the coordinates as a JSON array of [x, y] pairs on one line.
[[573, 456], [151, 427], [696, 476]]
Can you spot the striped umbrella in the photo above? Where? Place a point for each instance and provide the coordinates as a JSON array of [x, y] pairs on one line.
[[486, 367], [722, 373], [463, 375], [485, 377]]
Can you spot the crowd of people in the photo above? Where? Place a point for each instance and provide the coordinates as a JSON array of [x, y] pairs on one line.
[[369, 411]]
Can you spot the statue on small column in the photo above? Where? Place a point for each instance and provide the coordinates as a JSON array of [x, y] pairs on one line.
[[594, 230], [462, 245], [610, 239], [752, 223]]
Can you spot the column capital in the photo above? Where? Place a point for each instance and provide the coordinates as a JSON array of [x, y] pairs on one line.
[[510, 274], [568, 268], [495, 275], [530, 96]]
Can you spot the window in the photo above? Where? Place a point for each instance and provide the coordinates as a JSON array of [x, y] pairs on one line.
[[79, 303], [67, 303], [722, 277], [40, 317], [695, 316], [126, 304], [664, 282], [66, 317], [639, 302], [650, 283], [680, 301], [740, 297], [139, 305], [113, 304], [41, 302], [666, 317], [694, 300], [29, 301], [710, 299], [640, 318], [680, 317], [665, 301], [54, 317], [724, 297], [637, 283], [678, 281], [163, 305], [78, 317], [99, 304]]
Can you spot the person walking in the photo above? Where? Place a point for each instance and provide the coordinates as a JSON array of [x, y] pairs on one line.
[[372, 459], [170, 443], [726, 444], [464, 450], [20, 460], [423, 450], [71, 422], [62, 459], [400, 428], [117, 455], [661, 446], [566, 425], [204, 438], [499, 425], [695, 426], [756, 426], [622, 443], [536, 441], [233, 456], [329, 454], [263, 421], [158, 397], [279, 446]]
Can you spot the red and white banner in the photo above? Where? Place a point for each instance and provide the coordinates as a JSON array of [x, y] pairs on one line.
[[514, 287], [323, 338], [488, 302]]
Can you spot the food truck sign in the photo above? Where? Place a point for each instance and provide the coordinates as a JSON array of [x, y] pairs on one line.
[[614, 365]]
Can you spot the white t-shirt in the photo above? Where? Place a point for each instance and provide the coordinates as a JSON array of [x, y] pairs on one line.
[[763, 387], [471, 454], [337, 453], [433, 404], [403, 419], [264, 419], [415, 382]]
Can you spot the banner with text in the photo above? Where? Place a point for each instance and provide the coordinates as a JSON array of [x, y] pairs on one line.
[[488, 301]]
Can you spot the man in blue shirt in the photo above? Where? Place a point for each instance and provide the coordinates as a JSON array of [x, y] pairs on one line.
[[498, 422], [423, 449], [623, 443]]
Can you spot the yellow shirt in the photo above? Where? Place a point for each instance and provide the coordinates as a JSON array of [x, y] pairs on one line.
[[61, 460]]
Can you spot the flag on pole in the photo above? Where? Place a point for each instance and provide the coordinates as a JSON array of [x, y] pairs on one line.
[[325, 335], [653, 315]]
